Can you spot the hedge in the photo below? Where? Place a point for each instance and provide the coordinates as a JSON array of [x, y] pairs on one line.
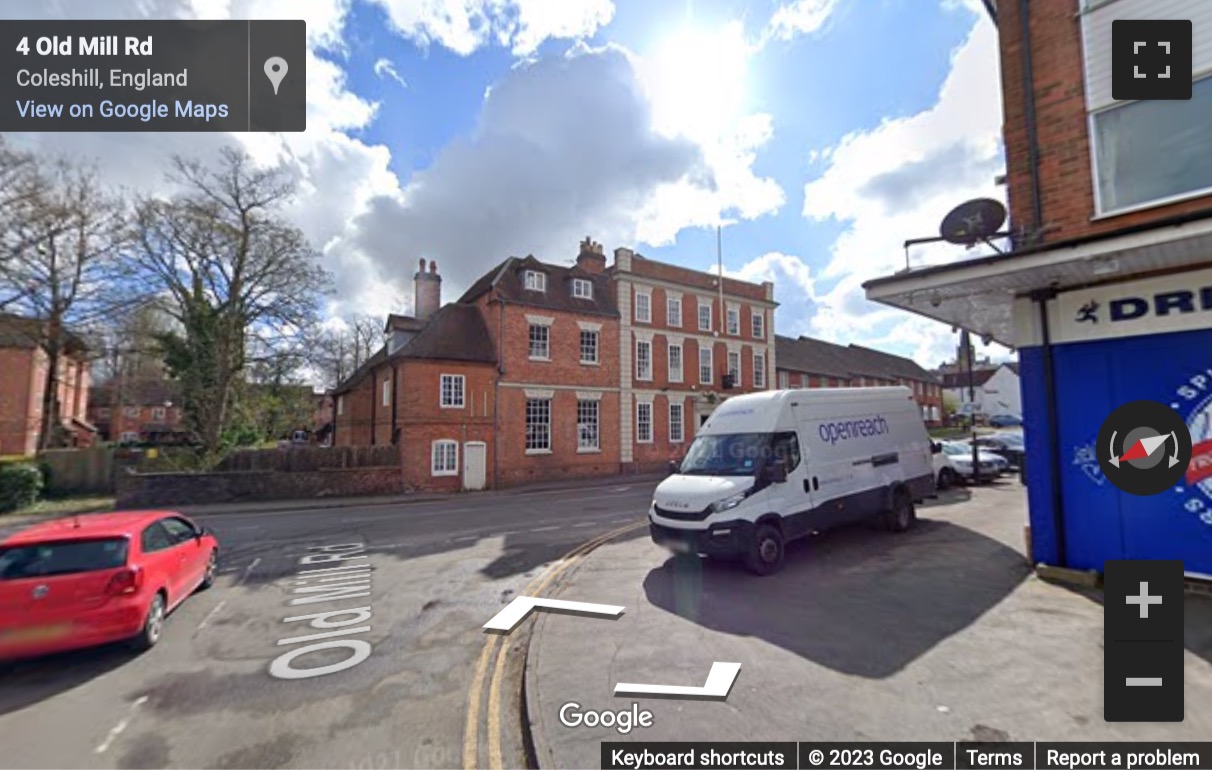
[[20, 485]]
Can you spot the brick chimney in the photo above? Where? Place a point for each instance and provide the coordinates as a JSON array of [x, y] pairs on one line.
[[427, 291], [592, 258]]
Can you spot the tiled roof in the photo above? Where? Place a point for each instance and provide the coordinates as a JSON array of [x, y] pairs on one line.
[[21, 332], [822, 358], [403, 323], [507, 279], [456, 332]]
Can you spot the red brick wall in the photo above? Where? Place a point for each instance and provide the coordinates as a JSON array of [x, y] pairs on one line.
[[354, 420], [18, 423], [1066, 182], [693, 279], [656, 456], [422, 419], [565, 367], [565, 461]]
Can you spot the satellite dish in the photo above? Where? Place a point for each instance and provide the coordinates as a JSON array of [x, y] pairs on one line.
[[973, 221]]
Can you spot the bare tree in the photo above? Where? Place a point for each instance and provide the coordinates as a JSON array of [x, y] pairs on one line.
[[62, 266], [236, 276], [337, 352]]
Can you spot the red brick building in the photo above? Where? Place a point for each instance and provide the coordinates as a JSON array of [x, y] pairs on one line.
[[810, 363], [133, 410], [537, 366], [23, 370], [686, 344]]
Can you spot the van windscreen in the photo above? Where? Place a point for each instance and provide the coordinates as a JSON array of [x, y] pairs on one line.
[[730, 454]]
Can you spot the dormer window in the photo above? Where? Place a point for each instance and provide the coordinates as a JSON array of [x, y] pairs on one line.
[[582, 289], [535, 281]]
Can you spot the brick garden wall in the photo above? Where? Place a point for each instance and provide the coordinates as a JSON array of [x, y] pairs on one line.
[[151, 490]]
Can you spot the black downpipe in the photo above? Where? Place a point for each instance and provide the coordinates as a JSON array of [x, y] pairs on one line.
[[1037, 204], [496, 395], [1053, 412]]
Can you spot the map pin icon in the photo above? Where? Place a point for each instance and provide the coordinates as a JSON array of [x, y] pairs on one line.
[[275, 70]]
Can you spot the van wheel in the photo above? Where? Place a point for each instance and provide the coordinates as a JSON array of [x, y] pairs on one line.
[[946, 478], [765, 556], [903, 515]]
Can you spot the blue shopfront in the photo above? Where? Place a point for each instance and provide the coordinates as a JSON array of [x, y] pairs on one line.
[[1109, 345], [1095, 326]]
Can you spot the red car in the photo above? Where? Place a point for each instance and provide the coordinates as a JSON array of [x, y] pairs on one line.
[[99, 578]]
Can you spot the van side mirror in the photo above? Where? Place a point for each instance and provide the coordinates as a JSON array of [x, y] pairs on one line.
[[674, 466], [936, 447]]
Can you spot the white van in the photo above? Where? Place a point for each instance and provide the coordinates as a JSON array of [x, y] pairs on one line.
[[767, 468]]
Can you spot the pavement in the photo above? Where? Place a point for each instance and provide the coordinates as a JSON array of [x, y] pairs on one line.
[[942, 633], [208, 695]]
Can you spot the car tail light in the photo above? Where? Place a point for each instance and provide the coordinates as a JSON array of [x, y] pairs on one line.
[[126, 582]]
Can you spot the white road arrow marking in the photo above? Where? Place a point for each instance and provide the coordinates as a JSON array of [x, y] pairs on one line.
[[517, 610], [719, 683]]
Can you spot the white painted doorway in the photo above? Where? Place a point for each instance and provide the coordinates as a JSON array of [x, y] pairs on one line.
[[475, 465]]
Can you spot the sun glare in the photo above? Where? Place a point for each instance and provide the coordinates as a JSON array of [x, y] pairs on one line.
[[696, 79]]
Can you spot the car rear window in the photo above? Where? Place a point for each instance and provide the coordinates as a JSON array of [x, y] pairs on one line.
[[62, 558]]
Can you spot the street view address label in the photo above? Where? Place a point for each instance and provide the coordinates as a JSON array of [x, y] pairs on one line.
[[153, 76]]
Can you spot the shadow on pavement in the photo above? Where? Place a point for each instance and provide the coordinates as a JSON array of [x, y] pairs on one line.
[[856, 600], [29, 681]]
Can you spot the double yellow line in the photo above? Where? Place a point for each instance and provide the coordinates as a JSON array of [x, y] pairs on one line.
[[471, 737]]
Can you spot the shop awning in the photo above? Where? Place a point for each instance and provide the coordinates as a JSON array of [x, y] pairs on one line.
[[979, 294]]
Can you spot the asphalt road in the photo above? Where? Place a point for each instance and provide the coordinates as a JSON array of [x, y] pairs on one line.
[[207, 697]]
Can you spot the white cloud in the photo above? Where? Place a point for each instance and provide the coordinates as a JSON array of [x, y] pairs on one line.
[[522, 25], [386, 68], [895, 182], [339, 175], [799, 17]]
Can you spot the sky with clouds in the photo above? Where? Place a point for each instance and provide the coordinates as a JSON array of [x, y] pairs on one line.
[[820, 134]]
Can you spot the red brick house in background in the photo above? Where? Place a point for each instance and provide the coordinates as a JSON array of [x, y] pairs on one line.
[[685, 345], [23, 370], [138, 410], [811, 363]]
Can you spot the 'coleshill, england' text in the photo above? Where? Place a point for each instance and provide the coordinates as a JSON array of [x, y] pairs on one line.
[[94, 78], [334, 573], [145, 112]]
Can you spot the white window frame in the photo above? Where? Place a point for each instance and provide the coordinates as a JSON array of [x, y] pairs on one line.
[[597, 345], [1101, 209], [708, 355], [639, 410], [680, 422], [582, 288], [454, 403], [536, 450], [535, 280], [704, 306], [758, 324], [158, 414], [759, 369], [732, 320], [673, 312], [596, 446], [132, 412], [735, 355], [646, 316], [784, 380], [675, 373], [340, 405], [129, 435], [530, 350], [438, 452], [639, 375], [387, 392]]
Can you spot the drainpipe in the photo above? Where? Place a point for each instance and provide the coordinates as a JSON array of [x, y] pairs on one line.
[[1037, 206], [496, 394], [374, 402], [394, 379], [1041, 298]]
